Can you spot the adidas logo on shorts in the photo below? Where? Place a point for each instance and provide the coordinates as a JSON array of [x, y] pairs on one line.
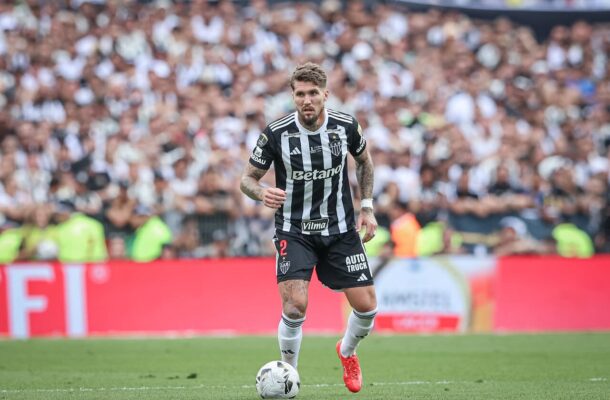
[[362, 278]]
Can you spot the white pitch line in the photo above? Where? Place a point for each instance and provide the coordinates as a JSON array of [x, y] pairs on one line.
[[155, 388], [158, 388]]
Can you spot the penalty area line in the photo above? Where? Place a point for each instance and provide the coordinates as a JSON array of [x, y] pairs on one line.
[[203, 386]]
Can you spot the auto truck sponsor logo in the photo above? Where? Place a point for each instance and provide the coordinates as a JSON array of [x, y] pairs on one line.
[[316, 174], [356, 262], [314, 225]]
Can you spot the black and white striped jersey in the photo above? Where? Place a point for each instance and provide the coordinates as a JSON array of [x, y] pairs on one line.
[[312, 168]]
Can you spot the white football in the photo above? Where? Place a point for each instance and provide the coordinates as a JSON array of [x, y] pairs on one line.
[[277, 380]]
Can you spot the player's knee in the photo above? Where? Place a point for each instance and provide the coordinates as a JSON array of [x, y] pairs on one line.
[[366, 307], [365, 301], [295, 310]]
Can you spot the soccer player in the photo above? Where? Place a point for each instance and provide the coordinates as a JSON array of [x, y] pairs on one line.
[[315, 224]]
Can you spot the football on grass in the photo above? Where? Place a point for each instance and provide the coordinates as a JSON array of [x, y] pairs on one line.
[[277, 380]]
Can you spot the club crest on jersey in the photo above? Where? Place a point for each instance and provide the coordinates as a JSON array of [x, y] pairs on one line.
[[335, 147], [284, 266], [335, 141]]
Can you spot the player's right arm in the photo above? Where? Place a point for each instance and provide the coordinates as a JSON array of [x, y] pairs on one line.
[[250, 184]]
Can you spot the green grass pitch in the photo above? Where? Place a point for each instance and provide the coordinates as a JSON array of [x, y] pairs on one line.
[[537, 366]]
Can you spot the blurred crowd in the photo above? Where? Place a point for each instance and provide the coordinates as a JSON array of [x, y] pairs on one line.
[[125, 125], [528, 4]]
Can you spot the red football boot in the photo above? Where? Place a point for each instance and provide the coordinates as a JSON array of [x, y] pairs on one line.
[[352, 375]]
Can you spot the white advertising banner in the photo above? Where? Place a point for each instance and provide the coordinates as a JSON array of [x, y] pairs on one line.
[[433, 294]]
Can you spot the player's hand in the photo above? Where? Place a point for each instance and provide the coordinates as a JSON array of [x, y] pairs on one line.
[[367, 220], [273, 197]]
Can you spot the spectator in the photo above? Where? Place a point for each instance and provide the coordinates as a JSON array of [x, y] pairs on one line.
[[85, 200], [79, 237], [572, 241], [39, 237], [216, 208], [187, 243], [117, 247], [404, 231], [118, 212], [561, 200], [11, 240], [151, 235], [602, 239], [514, 238], [430, 200], [467, 200]]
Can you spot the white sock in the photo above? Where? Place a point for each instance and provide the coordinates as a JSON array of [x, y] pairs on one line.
[[359, 325], [289, 335]]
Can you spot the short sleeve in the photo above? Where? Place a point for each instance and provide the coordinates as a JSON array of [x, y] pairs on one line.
[[262, 154], [355, 140]]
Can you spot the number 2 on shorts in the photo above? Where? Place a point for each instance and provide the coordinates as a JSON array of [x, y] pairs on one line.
[[283, 245]]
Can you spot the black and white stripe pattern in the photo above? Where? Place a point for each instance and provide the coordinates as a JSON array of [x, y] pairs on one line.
[[312, 168], [282, 122], [341, 116], [365, 315], [292, 323]]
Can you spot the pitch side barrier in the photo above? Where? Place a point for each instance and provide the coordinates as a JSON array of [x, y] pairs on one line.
[[239, 296]]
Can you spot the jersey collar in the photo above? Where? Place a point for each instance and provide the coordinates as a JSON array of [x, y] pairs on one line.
[[302, 129]]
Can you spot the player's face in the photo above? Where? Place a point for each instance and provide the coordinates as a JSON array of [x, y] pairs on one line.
[[309, 100]]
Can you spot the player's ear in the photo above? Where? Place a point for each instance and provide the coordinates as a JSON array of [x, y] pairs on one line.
[[326, 93]]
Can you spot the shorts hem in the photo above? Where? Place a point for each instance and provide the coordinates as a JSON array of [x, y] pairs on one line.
[[293, 278], [356, 284]]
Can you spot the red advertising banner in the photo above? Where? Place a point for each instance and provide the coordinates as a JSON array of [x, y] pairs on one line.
[[162, 297], [417, 322], [235, 296], [552, 293]]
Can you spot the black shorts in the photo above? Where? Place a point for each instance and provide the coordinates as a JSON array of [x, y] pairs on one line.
[[340, 260]]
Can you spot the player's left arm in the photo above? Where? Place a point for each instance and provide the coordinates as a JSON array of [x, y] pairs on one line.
[[365, 176]]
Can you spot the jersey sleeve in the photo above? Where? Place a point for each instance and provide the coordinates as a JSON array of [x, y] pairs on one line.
[[355, 140], [263, 153]]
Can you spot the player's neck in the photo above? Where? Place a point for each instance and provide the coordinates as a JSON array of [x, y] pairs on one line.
[[317, 123]]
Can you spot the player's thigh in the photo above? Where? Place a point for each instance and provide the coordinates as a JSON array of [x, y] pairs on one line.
[[295, 257], [346, 264]]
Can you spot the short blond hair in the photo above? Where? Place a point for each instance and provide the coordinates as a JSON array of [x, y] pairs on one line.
[[309, 72]]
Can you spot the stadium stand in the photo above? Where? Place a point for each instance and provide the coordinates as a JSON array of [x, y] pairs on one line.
[[131, 108]]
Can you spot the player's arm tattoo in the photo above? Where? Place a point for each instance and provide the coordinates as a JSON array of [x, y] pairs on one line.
[[250, 184], [365, 174]]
